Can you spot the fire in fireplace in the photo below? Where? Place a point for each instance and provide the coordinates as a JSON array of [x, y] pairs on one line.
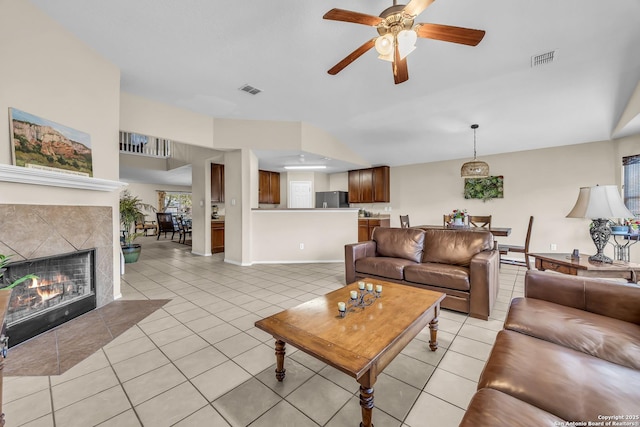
[[64, 289]]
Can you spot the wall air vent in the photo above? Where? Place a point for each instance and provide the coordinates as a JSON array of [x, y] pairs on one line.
[[543, 58], [250, 89]]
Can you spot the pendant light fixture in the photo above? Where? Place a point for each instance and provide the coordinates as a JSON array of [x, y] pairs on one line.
[[475, 168]]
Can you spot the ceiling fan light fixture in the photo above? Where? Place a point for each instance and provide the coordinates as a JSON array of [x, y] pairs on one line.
[[384, 45], [406, 42], [475, 168]]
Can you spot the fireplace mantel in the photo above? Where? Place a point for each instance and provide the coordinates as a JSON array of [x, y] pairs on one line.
[[22, 175]]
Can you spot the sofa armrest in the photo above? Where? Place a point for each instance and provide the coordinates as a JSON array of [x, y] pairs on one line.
[[601, 296], [352, 253], [484, 282]]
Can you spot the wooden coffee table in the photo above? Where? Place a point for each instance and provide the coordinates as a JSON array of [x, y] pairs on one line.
[[362, 343]]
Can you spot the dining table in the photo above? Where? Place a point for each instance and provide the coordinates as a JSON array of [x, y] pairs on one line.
[[496, 231]]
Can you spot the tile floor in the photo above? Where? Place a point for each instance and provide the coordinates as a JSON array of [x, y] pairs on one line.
[[199, 361]]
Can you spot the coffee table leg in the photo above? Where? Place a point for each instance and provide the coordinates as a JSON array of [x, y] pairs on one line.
[[366, 399], [433, 332], [280, 351]]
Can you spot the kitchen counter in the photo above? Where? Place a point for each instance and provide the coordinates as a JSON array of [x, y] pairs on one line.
[[302, 235]]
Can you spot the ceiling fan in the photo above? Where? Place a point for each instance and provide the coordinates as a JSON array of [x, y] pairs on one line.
[[397, 34]]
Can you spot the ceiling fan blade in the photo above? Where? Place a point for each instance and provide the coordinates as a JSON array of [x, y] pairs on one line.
[[448, 33], [355, 17], [352, 57], [400, 70], [416, 7]]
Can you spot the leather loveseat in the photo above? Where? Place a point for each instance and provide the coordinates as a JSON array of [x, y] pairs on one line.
[[569, 355], [461, 263]]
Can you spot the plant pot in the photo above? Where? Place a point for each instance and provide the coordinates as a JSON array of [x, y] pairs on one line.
[[131, 253], [619, 229], [457, 221]]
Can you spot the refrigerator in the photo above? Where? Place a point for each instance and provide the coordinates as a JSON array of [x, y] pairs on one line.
[[332, 199]]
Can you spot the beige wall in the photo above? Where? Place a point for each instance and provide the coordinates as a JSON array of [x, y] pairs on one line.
[[48, 72], [315, 140], [164, 121]]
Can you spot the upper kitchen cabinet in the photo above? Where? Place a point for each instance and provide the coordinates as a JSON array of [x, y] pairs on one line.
[[269, 187], [217, 183], [369, 185]]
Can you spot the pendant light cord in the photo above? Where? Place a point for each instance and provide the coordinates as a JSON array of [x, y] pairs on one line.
[[474, 127]]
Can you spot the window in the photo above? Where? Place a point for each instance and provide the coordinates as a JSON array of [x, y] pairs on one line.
[[176, 203], [631, 168]]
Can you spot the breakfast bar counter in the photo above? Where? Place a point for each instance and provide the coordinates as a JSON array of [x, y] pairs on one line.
[[302, 235]]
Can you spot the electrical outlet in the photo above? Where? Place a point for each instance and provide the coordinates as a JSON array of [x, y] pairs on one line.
[[554, 247], [301, 246]]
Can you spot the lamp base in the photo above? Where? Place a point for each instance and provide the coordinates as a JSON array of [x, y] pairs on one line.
[[600, 232], [600, 258]]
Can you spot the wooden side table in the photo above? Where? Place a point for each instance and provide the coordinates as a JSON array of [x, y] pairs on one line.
[[563, 263]]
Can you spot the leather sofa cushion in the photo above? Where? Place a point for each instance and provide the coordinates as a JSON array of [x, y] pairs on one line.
[[399, 242], [569, 384], [441, 275], [393, 268], [600, 336], [491, 408], [455, 247]]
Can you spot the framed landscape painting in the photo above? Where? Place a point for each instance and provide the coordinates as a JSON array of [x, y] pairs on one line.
[[42, 144]]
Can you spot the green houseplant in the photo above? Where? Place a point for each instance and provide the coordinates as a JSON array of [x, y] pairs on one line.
[[4, 261], [132, 209]]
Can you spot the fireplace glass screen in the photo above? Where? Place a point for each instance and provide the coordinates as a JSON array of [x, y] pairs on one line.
[[64, 289]]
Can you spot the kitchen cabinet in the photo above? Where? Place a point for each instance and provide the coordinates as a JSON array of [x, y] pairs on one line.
[[217, 183], [217, 237], [269, 187], [369, 185], [366, 226]]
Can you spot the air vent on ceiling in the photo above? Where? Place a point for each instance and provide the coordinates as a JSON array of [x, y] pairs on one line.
[[250, 89], [543, 58]]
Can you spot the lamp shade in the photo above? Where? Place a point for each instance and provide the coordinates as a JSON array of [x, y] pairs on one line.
[[601, 201], [474, 169]]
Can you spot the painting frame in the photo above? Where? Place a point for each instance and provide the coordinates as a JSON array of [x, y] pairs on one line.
[[491, 187], [43, 144]]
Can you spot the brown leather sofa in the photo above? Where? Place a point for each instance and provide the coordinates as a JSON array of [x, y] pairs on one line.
[[461, 263], [569, 354]]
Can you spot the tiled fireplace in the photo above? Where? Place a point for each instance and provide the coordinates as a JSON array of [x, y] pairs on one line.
[[70, 248]]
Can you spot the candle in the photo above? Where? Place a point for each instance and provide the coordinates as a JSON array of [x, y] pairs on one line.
[[369, 287], [342, 306], [354, 294], [360, 285], [378, 288]]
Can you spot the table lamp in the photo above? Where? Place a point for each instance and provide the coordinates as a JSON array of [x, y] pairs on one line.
[[600, 204]]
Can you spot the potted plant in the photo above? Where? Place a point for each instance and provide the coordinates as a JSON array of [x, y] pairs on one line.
[[458, 216], [131, 210], [4, 261]]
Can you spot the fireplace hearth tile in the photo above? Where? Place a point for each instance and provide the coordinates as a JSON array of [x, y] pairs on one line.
[[56, 351]]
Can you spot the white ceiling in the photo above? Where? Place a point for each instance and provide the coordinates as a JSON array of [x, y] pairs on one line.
[[195, 54]]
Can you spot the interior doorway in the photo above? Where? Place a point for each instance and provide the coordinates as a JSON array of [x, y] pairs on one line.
[[300, 194]]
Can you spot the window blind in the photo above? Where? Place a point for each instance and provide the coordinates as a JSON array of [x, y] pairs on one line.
[[631, 167]]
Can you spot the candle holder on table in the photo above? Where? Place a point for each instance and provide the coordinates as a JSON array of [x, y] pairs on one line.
[[363, 297]]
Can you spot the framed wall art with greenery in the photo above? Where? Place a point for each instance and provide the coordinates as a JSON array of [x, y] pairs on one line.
[[491, 187]]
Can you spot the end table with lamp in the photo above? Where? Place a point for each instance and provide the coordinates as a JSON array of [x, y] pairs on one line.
[[600, 204]]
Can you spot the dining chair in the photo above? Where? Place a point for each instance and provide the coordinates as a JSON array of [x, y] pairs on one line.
[[166, 224], [446, 219], [404, 221], [483, 221], [505, 249]]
